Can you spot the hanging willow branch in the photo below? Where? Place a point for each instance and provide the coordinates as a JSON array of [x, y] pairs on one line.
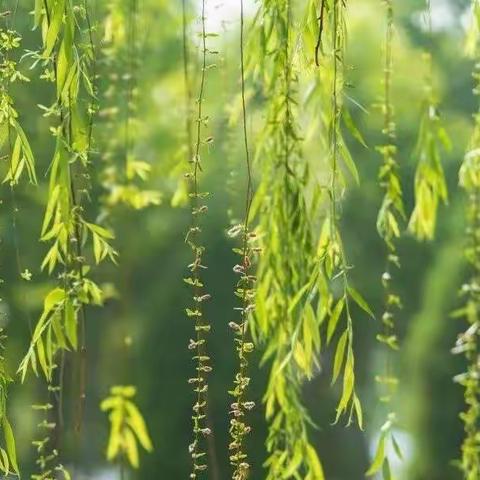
[[202, 327], [430, 186], [391, 214], [246, 293], [285, 324], [468, 342], [332, 274], [68, 58]]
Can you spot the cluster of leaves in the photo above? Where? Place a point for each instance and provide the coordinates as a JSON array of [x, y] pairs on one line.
[[12, 136], [127, 426], [468, 342], [430, 188], [390, 215], [123, 172]]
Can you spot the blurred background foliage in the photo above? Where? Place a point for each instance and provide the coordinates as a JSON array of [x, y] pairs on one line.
[[140, 335]]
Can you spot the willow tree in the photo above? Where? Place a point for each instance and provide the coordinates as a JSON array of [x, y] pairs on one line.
[[127, 428], [66, 62]]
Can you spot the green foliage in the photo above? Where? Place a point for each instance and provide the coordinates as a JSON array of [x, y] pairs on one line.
[[430, 185], [127, 426], [297, 300], [381, 460], [12, 135]]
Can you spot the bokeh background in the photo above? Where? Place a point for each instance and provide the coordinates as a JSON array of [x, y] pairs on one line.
[[147, 298]]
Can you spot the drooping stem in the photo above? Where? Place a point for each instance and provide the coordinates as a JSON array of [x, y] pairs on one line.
[[239, 428], [201, 428], [186, 81]]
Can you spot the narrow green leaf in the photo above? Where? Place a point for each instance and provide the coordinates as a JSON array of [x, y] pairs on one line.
[[360, 301], [379, 457]]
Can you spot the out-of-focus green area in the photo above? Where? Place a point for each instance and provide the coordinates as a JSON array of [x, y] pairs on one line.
[[150, 294]]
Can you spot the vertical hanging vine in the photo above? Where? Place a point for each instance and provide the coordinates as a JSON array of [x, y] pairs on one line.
[[245, 291], [390, 216], [198, 344], [468, 342], [430, 188]]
